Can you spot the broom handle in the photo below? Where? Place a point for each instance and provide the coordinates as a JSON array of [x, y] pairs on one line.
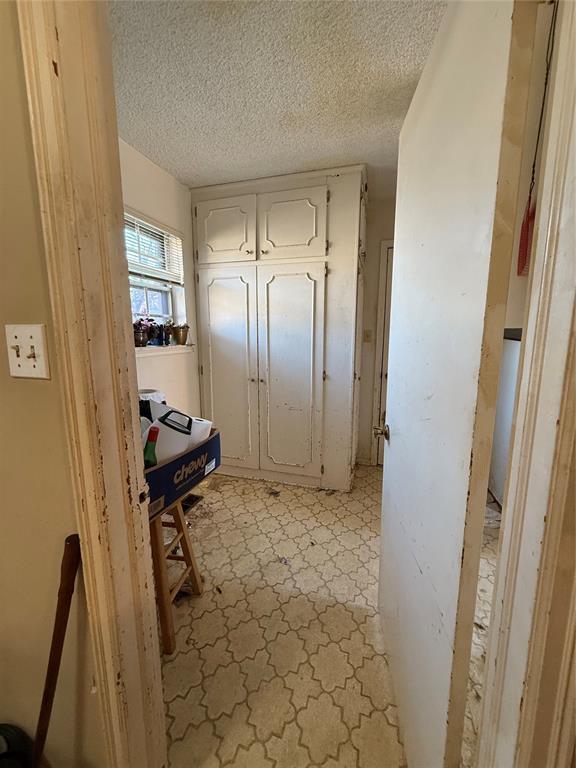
[[69, 568]]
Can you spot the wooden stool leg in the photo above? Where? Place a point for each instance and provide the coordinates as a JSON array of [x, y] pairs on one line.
[[195, 578], [162, 586]]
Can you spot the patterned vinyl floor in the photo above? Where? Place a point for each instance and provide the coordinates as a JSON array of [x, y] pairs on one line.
[[280, 663], [488, 561]]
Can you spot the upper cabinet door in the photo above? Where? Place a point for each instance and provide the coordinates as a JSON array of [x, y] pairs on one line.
[[226, 229], [292, 223]]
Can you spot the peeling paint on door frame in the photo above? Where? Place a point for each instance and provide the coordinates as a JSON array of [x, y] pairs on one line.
[[68, 70]]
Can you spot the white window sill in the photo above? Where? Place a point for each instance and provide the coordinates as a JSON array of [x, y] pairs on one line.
[[173, 349]]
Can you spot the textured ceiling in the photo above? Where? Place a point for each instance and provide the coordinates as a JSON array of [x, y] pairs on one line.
[[222, 91]]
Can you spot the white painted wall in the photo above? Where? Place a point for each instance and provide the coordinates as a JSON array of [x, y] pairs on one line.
[[379, 226], [170, 370], [157, 196]]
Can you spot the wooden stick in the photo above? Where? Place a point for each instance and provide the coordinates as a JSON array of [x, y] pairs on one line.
[[68, 570]]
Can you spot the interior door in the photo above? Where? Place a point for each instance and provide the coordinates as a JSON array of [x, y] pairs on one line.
[[292, 223], [455, 214], [291, 359], [228, 337], [358, 331], [382, 340], [226, 229]]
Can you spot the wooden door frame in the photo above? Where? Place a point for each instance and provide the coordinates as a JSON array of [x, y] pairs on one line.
[[543, 438], [382, 334], [68, 70]]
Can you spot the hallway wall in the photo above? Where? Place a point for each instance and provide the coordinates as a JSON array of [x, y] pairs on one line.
[[37, 511]]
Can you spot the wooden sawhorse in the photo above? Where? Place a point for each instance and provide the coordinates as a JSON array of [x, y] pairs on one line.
[[161, 554]]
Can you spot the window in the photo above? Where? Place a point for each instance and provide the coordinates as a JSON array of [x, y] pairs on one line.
[[156, 269], [150, 298]]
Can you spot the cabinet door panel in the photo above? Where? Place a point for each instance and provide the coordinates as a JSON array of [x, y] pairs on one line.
[[227, 305], [226, 229], [292, 224], [291, 359]]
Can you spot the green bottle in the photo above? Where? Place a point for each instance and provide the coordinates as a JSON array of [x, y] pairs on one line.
[[150, 459]]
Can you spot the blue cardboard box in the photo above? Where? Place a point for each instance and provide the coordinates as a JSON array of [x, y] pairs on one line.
[[176, 477]]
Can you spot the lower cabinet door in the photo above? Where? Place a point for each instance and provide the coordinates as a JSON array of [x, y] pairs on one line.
[[229, 359], [291, 362]]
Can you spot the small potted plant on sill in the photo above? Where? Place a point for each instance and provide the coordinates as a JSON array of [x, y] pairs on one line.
[[180, 333], [145, 329], [168, 331]]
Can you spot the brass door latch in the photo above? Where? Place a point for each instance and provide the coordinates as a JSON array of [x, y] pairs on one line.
[[382, 432]]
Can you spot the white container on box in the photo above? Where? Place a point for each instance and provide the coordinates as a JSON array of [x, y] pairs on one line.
[[200, 431]]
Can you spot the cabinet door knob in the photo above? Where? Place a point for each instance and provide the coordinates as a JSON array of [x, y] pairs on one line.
[[250, 252], [262, 251]]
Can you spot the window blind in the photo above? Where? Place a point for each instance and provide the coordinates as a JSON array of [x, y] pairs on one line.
[[152, 252]]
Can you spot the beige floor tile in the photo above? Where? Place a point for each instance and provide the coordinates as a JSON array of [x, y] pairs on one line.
[[197, 749], [303, 685], [186, 712], [287, 752], [299, 611], [255, 757], [181, 673], [347, 758], [234, 731], [246, 640], [286, 653], [215, 656], [271, 708], [257, 670], [352, 702], [208, 628], [280, 662], [377, 742], [263, 602], [374, 676], [338, 622], [331, 666], [322, 728], [224, 690]]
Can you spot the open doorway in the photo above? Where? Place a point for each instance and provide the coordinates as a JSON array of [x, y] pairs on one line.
[[381, 354], [280, 660], [135, 582]]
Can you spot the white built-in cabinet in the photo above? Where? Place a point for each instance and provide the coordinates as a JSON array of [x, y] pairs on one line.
[[276, 273]]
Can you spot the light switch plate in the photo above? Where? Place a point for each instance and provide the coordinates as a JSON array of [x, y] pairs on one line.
[[27, 351]]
